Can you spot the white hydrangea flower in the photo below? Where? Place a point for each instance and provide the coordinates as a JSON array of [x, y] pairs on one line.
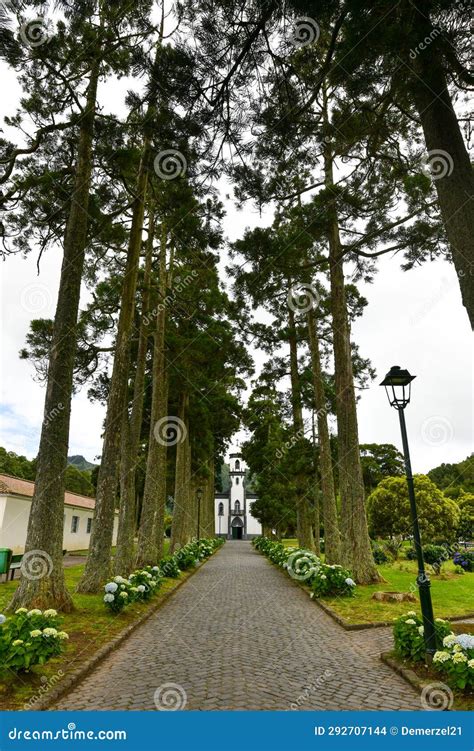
[[111, 587], [441, 656], [410, 622], [449, 640], [124, 595], [63, 635], [421, 630], [49, 632], [35, 633], [3, 618], [155, 568], [411, 613], [457, 648], [20, 610], [141, 588], [350, 582], [50, 613], [109, 597], [323, 576], [459, 657], [466, 641], [17, 642], [35, 611], [470, 664]]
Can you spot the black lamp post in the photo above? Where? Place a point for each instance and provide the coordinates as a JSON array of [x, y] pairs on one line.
[[397, 384], [199, 499]]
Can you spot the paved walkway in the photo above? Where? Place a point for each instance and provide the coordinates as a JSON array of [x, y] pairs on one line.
[[240, 635]]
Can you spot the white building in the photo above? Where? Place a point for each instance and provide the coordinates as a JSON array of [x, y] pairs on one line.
[[15, 505], [233, 516]]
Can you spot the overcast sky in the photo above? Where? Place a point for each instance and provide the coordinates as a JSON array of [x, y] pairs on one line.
[[415, 320]]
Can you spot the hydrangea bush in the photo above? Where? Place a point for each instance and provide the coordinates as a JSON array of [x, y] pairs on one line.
[[305, 566], [408, 632], [30, 637], [143, 584], [332, 581], [454, 658], [465, 560]]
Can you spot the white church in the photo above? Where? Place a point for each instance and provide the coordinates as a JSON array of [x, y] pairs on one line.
[[234, 520]]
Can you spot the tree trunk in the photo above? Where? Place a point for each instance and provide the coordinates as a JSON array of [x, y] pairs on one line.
[[452, 171], [190, 488], [208, 501], [356, 550], [150, 536], [316, 511], [124, 557], [303, 507], [332, 539], [42, 581], [97, 567], [180, 510]]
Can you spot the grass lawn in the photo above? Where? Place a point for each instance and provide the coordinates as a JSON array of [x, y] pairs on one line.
[[89, 627], [452, 593]]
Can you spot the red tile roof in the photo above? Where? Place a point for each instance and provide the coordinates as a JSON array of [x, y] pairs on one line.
[[17, 486]]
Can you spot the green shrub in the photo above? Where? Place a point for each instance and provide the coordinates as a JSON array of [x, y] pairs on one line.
[[143, 584], [30, 637], [464, 559], [408, 635], [456, 660], [329, 581], [169, 567], [435, 556], [379, 553]]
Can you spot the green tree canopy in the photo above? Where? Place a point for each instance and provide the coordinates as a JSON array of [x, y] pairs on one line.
[[388, 510]]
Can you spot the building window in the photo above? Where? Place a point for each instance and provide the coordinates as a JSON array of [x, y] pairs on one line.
[[237, 465], [89, 524], [74, 524], [221, 509], [237, 506], [236, 480]]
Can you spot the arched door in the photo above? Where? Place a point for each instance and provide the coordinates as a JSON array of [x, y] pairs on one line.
[[237, 528]]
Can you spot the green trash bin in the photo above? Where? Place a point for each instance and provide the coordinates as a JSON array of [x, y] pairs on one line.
[[5, 558]]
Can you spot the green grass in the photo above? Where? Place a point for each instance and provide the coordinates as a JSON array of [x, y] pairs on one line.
[[452, 594], [90, 626]]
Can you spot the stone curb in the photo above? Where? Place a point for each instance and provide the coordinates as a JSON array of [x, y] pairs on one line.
[[80, 673], [406, 673]]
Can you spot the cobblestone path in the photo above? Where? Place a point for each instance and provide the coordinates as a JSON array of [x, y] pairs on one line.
[[240, 635]]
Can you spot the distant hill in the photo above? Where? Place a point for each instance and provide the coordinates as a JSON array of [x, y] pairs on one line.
[[77, 478], [79, 462]]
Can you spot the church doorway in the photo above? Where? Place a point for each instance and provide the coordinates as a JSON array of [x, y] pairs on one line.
[[237, 527]]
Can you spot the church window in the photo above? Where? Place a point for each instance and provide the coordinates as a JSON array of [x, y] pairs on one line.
[[236, 480], [237, 465], [221, 509], [237, 505]]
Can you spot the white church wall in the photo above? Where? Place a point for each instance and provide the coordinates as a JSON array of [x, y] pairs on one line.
[[253, 526]]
